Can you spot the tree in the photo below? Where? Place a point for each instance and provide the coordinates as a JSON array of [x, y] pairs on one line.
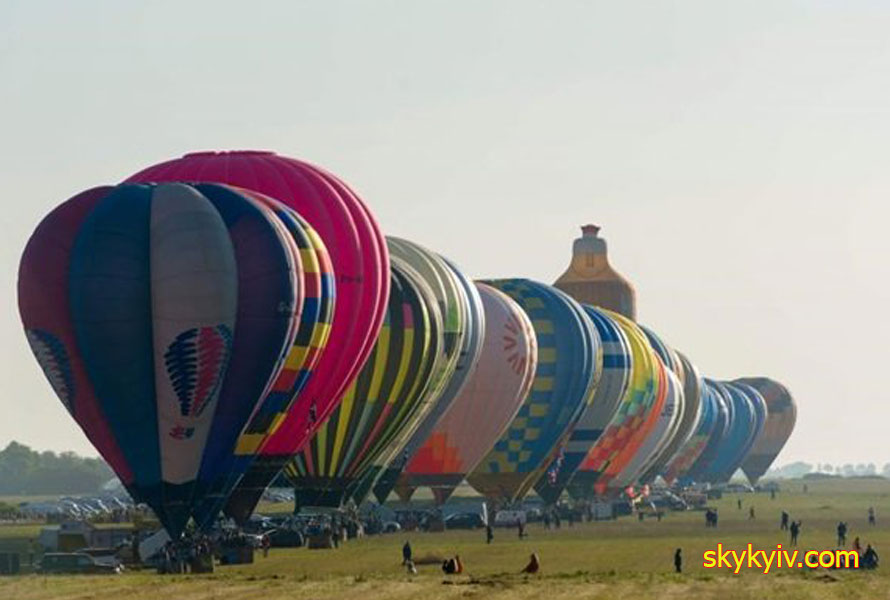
[[24, 471]]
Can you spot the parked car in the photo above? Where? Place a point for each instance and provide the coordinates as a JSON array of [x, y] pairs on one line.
[[464, 520], [391, 527], [74, 563], [286, 538], [665, 499]]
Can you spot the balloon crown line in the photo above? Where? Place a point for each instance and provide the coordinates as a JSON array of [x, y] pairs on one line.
[[230, 153]]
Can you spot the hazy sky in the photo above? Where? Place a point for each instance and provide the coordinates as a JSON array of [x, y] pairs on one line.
[[735, 154]]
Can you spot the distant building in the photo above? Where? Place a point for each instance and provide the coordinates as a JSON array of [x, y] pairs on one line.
[[590, 279]]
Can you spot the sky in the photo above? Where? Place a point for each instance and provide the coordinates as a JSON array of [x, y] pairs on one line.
[[734, 154]]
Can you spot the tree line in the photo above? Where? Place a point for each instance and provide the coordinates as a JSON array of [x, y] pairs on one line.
[[24, 471]]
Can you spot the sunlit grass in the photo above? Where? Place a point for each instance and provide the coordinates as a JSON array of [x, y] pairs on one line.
[[593, 560]]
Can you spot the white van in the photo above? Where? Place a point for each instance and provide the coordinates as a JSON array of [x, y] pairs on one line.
[[508, 518]]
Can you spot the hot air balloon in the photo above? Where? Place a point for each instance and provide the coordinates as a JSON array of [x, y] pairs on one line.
[[741, 422], [381, 473], [690, 451], [382, 399], [560, 391], [628, 428], [464, 328], [609, 390], [359, 255], [756, 421], [659, 449], [160, 315], [495, 389], [699, 469], [309, 341], [590, 279], [659, 426], [781, 413], [688, 420]]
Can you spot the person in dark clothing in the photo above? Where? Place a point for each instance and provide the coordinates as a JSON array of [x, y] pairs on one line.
[[739, 503], [533, 566], [751, 513], [520, 528], [709, 518], [406, 553], [678, 560], [784, 525], [795, 531], [449, 566], [489, 533], [841, 534], [871, 515], [870, 558]]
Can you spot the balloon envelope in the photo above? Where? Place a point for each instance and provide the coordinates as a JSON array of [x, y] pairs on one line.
[[628, 429], [136, 302], [311, 338], [357, 251], [690, 451], [464, 327], [781, 414], [699, 469], [560, 391], [495, 389], [609, 380], [691, 413], [380, 401]]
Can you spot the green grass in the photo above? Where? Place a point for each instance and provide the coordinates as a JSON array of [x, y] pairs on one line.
[[593, 560]]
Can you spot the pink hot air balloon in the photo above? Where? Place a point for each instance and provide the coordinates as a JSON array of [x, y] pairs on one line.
[[486, 405], [361, 265]]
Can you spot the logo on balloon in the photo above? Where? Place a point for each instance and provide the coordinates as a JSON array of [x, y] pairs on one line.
[[515, 358], [53, 359], [196, 361], [182, 433]]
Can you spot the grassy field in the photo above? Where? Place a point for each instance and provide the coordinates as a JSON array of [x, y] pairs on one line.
[[593, 560]]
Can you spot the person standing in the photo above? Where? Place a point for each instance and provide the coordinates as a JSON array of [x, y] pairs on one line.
[[871, 515], [678, 560], [795, 531], [406, 553], [841, 534], [739, 503], [489, 533], [751, 513], [784, 525]]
